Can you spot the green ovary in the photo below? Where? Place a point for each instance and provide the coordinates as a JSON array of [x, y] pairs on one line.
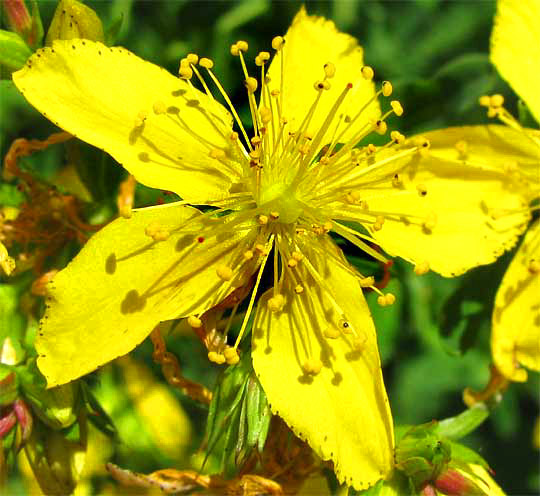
[[279, 197]]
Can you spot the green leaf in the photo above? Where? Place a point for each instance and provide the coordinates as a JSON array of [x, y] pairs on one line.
[[13, 50]]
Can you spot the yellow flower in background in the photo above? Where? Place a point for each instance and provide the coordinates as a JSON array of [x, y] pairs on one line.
[[274, 194], [515, 52], [6, 262]]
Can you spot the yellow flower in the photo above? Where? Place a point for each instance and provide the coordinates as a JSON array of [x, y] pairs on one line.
[[273, 195], [515, 51]]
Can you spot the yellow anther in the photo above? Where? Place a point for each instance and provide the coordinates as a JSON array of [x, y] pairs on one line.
[[379, 221], [353, 197], [161, 235], [329, 70], [381, 300], [206, 63], [184, 62], [217, 153], [321, 85], [312, 366], [430, 222], [194, 322], [242, 45], [255, 141], [421, 268], [276, 303], [215, 357], [297, 256], [367, 282], [231, 355], [185, 72], [266, 114], [141, 118], [274, 93], [260, 249], [496, 100], [387, 88], [262, 219], [235, 50], [304, 149], [224, 272], [422, 190], [233, 136], [159, 107], [367, 72], [396, 107], [262, 58], [292, 263], [534, 266], [390, 298], [345, 326], [298, 289], [331, 332], [274, 215], [364, 204], [152, 228], [371, 149], [462, 146], [359, 342], [277, 42], [248, 255], [381, 127], [485, 100], [192, 58], [397, 137], [251, 84]]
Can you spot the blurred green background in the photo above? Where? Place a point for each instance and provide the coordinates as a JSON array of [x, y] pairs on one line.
[[435, 340]]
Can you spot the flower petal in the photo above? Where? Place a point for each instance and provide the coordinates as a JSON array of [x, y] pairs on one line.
[[515, 335], [310, 43], [454, 210], [157, 126], [343, 411], [515, 48], [122, 283]]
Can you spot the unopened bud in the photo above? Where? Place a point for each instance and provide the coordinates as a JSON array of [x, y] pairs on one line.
[[73, 19]]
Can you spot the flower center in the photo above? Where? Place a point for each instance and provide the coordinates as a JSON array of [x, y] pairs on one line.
[[280, 198]]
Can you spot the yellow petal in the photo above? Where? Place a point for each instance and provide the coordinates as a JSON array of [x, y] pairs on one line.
[[454, 211], [310, 43], [343, 411], [515, 335], [156, 125], [515, 48], [122, 283], [7, 264], [483, 479]]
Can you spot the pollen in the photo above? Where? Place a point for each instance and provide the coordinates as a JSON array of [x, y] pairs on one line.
[[397, 108], [224, 272], [206, 63], [185, 72], [231, 355], [329, 70], [299, 289], [262, 220], [367, 72], [496, 101], [251, 84], [216, 357], [387, 88], [421, 268], [192, 58], [262, 58], [276, 303], [277, 43], [248, 255], [194, 322]]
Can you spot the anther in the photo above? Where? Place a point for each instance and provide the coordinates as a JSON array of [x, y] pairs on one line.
[[387, 88], [421, 268], [462, 147], [381, 127], [217, 153], [367, 72], [397, 108], [299, 289], [496, 100], [367, 282], [353, 197], [248, 255], [297, 256], [216, 357], [312, 366], [233, 136], [534, 266], [262, 219], [345, 326], [397, 137], [430, 222], [260, 249], [234, 50], [255, 141], [329, 70], [331, 332], [379, 221], [194, 322], [390, 298], [231, 355], [266, 114], [321, 85], [485, 100], [292, 263], [274, 215], [371, 149], [276, 303], [396, 181], [242, 45], [185, 72], [251, 84], [192, 58], [206, 63], [159, 107], [262, 58], [422, 190], [141, 118], [224, 272], [277, 42]]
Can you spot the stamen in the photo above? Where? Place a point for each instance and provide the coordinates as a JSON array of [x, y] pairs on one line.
[[194, 322], [216, 357], [387, 88], [231, 355], [367, 72], [224, 272]]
